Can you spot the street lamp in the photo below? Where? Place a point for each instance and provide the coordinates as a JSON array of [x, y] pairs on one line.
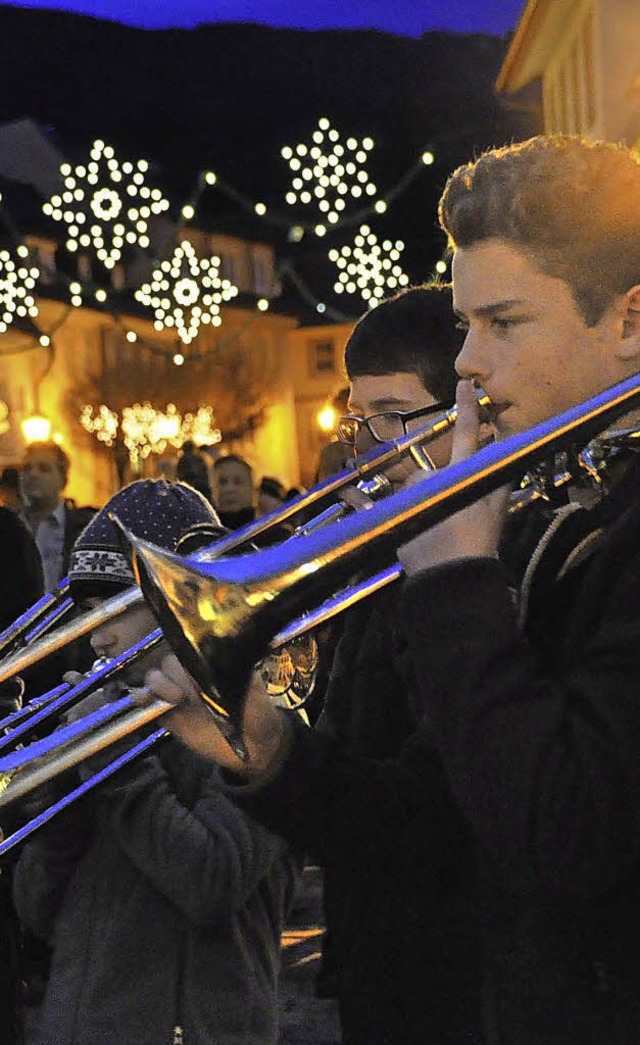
[[36, 428], [327, 418]]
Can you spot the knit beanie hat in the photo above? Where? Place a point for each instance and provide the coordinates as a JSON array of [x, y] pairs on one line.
[[172, 515]]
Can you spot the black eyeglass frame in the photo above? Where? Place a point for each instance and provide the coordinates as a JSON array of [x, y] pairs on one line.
[[403, 416]]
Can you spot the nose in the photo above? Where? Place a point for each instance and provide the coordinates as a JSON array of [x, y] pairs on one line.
[[103, 640], [364, 440], [471, 361]]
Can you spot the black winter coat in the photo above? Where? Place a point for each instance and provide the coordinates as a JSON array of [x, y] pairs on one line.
[[399, 881], [538, 726]]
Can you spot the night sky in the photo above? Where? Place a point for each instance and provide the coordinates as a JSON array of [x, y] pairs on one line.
[[406, 17]]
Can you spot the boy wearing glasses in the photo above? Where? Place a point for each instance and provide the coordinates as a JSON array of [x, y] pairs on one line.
[[399, 360], [399, 880]]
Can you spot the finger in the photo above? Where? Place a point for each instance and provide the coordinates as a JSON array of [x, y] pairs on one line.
[[467, 427], [159, 685], [173, 669], [72, 677], [141, 695]]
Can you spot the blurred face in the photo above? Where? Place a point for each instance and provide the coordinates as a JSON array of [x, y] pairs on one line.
[[527, 344], [117, 635], [232, 487], [41, 479], [376, 393]]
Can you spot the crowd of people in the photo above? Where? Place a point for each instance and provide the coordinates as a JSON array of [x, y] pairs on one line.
[[469, 783]]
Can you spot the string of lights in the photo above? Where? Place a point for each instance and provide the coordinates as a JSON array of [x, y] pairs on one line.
[[297, 226], [105, 207]]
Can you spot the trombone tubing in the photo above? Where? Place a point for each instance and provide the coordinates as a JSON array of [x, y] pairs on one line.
[[374, 460], [38, 821], [55, 703], [27, 619], [70, 695]]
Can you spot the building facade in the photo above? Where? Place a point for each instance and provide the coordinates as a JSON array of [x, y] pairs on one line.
[[586, 56]]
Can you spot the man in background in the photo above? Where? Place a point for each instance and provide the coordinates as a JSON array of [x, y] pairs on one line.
[[54, 522]]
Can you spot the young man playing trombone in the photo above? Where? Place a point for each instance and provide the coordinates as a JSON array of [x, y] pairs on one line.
[[533, 706], [162, 901]]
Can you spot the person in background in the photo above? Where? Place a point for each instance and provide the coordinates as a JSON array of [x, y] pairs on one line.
[[163, 903], [233, 492], [192, 469], [271, 494], [403, 954], [54, 522]]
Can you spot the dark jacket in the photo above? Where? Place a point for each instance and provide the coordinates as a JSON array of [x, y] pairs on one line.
[[163, 904], [21, 582], [538, 727], [399, 881]]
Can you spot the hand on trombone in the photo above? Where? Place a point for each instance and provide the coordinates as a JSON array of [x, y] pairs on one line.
[[475, 531], [264, 727]]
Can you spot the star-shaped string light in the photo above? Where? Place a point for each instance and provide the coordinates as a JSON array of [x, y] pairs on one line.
[[185, 292], [368, 267], [327, 172], [106, 204], [17, 281]]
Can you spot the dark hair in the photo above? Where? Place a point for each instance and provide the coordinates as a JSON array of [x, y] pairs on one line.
[[413, 332], [272, 487], [63, 460], [10, 478], [232, 458], [571, 205]]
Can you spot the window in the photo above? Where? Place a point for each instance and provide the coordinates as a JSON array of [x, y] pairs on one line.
[[229, 268], [322, 358]]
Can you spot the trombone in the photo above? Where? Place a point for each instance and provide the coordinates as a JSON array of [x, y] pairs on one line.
[[220, 616], [23, 655]]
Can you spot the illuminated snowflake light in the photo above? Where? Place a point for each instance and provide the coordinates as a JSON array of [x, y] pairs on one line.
[[16, 284], [185, 292], [105, 204], [328, 171], [369, 267]]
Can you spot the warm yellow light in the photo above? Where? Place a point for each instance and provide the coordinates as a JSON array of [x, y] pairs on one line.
[[327, 418], [441, 267], [428, 158], [262, 305], [36, 428]]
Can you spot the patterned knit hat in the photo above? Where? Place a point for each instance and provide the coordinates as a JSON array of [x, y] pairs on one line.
[[171, 515]]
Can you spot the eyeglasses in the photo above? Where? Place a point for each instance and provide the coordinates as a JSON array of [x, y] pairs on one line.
[[391, 424]]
